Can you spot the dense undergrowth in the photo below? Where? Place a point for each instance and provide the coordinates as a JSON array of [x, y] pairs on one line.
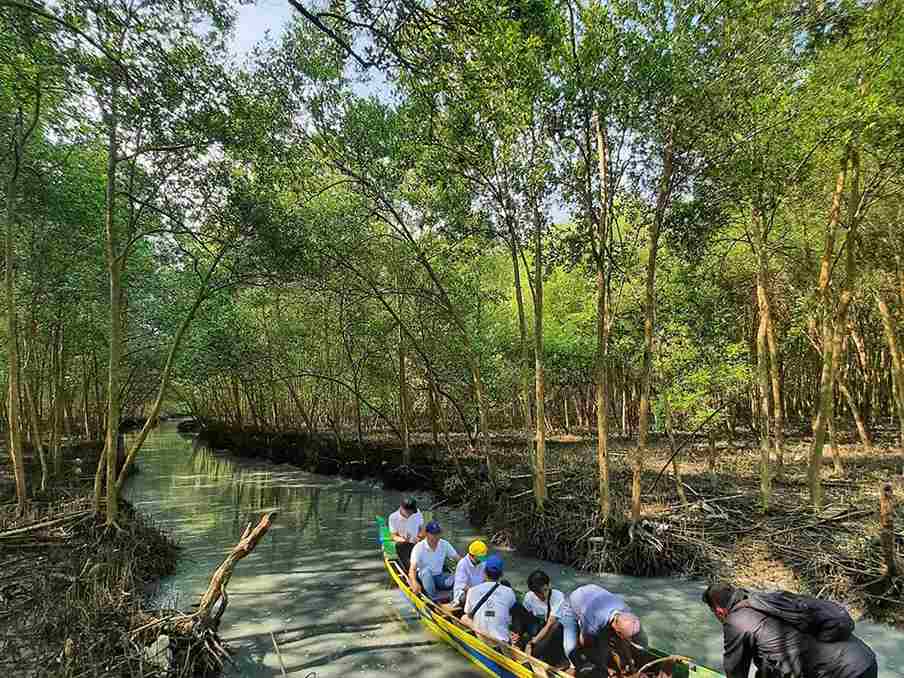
[[70, 588]]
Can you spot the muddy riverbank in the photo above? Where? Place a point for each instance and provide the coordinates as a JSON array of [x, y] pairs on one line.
[[70, 588]]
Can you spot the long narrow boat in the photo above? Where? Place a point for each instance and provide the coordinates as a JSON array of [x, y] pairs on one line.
[[506, 661]]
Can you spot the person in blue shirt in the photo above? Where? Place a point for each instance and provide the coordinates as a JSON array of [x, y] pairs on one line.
[[599, 616]]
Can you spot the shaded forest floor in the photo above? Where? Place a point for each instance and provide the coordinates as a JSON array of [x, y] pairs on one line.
[[69, 589], [720, 531]]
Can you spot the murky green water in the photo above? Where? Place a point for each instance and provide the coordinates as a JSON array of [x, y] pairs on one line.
[[316, 582]]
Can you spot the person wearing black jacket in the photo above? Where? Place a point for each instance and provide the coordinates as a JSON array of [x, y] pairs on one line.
[[780, 650]]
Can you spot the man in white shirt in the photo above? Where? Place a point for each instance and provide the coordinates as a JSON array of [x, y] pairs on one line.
[[428, 559], [554, 632], [488, 606], [407, 528], [469, 572]]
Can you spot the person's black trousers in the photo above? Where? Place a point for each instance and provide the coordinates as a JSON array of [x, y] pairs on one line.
[[551, 649], [404, 553]]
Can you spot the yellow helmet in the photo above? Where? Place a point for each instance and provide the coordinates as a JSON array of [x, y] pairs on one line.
[[478, 549]]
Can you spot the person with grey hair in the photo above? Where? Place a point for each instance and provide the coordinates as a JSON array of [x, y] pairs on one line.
[[599, 616]]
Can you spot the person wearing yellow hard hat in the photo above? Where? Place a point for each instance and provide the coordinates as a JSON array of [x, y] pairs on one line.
[[469, 572]]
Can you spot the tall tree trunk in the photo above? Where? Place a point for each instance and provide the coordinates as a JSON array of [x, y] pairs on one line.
[[897, 361], [14, 426], [602, 323], [59, 398], [662, 198], [32, 415], [887, 530], [522, 329], [99, 476], [434, 408], [763, 357], [764, 419], [403, 401], [85, 399], [858, 417], [540, 453], [673, 447], [114, 270], [826, 380], [564, 394], [838, 467], [775, 373]]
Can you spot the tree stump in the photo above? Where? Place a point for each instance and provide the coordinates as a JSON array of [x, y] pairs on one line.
[[893, 566]]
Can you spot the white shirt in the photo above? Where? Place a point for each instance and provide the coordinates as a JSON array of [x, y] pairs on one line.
[[558, 605], [425, 558], [408, 527], [467, 575], [494, 617]]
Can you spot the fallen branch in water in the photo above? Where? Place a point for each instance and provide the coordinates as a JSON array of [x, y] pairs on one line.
[[216, 590], [197, 649]]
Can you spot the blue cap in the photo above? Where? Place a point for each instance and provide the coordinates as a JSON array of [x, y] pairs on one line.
[[493, 564], [433, 527]]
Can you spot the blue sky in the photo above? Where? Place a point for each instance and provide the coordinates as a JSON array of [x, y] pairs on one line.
[[254, 21]]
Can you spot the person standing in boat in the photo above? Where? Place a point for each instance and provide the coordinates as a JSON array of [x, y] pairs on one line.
[[469, 572], [488, 606], [600, 617], [407, 528], [428, 560], [554, 632]]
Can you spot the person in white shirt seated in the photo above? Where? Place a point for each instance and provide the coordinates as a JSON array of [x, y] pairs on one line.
[[428, 559], [553, 635], [407, 528], [469, 572], [488, 606]]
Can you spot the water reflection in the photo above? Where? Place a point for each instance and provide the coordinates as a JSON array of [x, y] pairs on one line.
[[316, 582]]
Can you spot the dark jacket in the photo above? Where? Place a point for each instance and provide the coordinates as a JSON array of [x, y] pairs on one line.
[[781, 651], [777, 650], [849, 658]]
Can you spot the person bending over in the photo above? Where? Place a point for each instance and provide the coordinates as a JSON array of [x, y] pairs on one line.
[[779, 649], [600, 617]]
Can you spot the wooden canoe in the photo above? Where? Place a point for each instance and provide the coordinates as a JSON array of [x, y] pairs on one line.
[[493, 658]]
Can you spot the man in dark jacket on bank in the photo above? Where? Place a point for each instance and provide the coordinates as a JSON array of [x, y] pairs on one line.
[[778, 649]]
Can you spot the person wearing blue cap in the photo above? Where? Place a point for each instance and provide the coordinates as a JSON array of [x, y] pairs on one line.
[[428, 559], [488, 606]]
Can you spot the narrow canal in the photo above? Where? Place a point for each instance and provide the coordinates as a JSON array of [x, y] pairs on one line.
[[316, 583]]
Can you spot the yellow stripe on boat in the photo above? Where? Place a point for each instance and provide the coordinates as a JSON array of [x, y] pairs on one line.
[[453, 632]]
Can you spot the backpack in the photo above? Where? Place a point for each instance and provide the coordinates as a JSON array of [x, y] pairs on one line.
[[824, 620]]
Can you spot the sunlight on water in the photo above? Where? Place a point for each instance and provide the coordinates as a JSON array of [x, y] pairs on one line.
[[317, 581]]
